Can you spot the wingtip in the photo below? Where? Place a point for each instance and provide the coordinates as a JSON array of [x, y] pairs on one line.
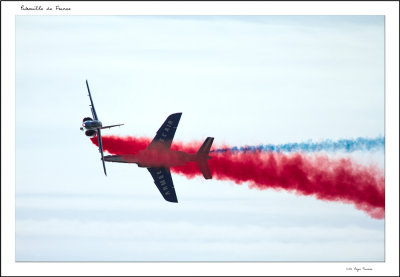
[[171, 200]]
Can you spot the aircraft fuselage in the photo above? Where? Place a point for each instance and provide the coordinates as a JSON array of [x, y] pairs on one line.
[[91, 125], [157, 158]]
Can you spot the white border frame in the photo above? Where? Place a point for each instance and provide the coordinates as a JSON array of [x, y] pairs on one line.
[[388, 8]]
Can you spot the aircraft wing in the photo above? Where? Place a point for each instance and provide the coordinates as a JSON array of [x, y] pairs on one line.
[[91, 103], [163, 180], [166, 133], [101, 150]]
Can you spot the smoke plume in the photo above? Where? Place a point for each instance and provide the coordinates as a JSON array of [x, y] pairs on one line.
[[307, 174], [342, 145]]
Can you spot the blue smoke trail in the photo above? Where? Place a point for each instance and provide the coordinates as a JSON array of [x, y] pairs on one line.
[[344, 145]]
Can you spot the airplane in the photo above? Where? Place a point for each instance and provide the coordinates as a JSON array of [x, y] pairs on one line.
[[158, 158], [92, 127]]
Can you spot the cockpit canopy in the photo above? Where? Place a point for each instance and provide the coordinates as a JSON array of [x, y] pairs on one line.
[[86, 119]]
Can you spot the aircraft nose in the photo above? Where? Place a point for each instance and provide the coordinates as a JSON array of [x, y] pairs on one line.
[[109, 158], [113, 158]]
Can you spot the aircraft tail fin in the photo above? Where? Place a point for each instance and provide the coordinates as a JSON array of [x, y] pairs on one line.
[[202, 158]]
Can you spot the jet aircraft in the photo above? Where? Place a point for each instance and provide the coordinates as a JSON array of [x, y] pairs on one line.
[[158, 158], [92, 127]]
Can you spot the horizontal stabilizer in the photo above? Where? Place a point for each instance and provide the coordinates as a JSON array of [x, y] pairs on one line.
[[205, 148], [202, 158], [110, 126], [204, 168]]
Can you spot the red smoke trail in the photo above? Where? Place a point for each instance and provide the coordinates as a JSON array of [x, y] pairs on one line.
[[122, 145], [305, 174]]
